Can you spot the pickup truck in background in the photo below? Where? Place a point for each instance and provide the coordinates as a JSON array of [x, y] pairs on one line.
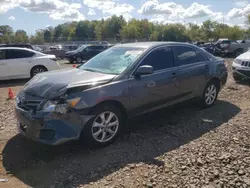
[[230, 47], [54, 50]]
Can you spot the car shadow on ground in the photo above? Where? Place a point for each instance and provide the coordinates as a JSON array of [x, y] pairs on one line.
[[148, 137], [13, 83]]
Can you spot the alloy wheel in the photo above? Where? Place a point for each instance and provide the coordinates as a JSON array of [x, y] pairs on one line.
[[105, 126], [38, 70], [210, 94], [78, 59]]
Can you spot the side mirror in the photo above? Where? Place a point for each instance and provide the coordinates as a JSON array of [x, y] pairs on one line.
[[144, 69]]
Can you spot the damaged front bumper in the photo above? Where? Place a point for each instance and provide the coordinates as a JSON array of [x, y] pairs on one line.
[[49, 127]]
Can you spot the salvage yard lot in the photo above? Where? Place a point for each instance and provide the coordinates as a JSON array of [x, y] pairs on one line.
[[177, 147]]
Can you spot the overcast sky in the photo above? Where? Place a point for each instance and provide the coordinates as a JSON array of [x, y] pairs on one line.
[[31, 15]]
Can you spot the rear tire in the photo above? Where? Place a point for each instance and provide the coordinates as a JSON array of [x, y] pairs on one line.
[[210, 94], [36, 70], [103, 130]]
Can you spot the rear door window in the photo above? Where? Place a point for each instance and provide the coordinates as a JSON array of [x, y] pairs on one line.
[[184, 55], [17, 54], [2, 54]]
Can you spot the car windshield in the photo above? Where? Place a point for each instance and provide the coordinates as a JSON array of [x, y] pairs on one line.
[[81, 48], [113, 60]]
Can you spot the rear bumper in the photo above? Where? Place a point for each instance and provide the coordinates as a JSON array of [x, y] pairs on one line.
[[50, 128]]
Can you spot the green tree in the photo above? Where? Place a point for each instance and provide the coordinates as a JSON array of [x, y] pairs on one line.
[[194, 32], [175, 32], [130, 31], [7, 34], [38, 38], [6, 30], [21, 36], [57, 33], [207, 29], [82, 30], [47, 35], [99, 30]]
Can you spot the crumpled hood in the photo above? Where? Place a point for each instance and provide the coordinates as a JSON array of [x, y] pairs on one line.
[[53, 84], [245, 56]]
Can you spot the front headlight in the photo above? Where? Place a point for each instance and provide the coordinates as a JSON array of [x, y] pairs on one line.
[[237, 61], [53, 106]]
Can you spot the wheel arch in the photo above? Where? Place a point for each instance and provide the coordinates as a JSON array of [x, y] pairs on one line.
[[115, 103], [239, 49], [35, 66], [216, 80]]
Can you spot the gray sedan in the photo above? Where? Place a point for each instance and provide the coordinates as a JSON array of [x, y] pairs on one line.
[[94, 100]]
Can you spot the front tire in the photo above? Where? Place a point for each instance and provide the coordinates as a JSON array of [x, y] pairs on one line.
[[210, 94], [104, 128]]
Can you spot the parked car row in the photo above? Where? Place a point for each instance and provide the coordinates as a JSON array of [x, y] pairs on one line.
[[59, 50], [226, 47]]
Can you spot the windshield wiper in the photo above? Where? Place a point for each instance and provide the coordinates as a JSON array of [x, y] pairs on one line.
[[91, 70]]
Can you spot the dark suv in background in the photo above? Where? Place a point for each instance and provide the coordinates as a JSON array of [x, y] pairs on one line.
[[84, 52], [94, 100]]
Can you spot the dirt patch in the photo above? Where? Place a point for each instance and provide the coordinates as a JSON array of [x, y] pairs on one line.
[[178, 147]]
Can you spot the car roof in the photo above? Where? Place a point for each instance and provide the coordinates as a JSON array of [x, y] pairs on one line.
[[16, 48], [15, 45], [151, 44]]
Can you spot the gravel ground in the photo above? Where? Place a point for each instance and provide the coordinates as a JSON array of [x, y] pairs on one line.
[[178, 147]]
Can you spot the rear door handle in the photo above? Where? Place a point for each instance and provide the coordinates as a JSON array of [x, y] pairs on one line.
[[174, 75], [2, 63]]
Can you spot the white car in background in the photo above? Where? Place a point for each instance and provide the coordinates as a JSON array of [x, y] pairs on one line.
[[24, 63], [241, 67]]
